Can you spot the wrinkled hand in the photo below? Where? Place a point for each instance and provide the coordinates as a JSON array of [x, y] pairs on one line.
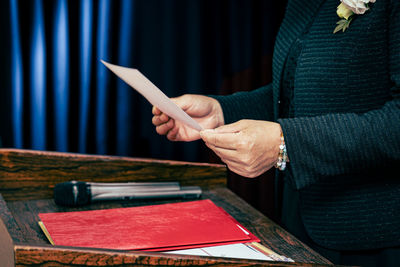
[[205, 110], [248, 147]]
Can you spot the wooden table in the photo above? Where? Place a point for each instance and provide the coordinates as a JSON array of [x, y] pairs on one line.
[[27, 179]]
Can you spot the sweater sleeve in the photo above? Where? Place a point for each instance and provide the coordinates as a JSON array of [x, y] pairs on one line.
[[256, 105], [336, 144]]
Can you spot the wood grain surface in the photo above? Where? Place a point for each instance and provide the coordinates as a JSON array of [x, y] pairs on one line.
[[28, 174], [32, 256], [23, 215], [27, 179]]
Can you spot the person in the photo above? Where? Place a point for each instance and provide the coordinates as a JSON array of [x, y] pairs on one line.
[[329, 122]]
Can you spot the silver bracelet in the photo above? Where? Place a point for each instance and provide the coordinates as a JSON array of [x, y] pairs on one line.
[[282, 157]]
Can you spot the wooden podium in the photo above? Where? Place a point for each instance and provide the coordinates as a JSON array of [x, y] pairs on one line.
[[27, 179]]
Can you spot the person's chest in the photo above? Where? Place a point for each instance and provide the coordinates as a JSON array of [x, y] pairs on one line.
[[341, 72]]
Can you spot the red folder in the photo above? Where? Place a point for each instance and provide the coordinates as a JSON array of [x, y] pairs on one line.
[[150, 228]]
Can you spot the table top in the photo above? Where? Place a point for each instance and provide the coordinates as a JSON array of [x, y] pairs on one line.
[[27, 179], [25, 218]]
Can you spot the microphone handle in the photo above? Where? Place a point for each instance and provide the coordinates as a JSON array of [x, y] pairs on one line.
[[118, 190], [146, 186], [183, 192]]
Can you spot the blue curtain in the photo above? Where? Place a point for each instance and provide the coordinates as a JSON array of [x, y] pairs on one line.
[[56, 95], [85, 36], [17, 107], [61, 74]]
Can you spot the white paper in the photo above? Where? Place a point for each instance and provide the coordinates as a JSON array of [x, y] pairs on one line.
[[239, 251], [155, 96]]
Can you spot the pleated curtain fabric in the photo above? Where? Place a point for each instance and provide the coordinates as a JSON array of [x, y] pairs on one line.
[[56, 95], [59, 97]]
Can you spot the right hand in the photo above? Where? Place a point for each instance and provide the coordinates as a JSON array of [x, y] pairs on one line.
[[205, 110]]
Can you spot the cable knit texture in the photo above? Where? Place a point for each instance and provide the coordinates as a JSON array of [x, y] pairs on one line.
[[343, 140]]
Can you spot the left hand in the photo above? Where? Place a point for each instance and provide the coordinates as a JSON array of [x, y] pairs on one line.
[[248, 147]]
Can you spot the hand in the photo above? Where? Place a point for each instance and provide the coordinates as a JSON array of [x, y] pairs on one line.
[[248, 147], [205, 110]]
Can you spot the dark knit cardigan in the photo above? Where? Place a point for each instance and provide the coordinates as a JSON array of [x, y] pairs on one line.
[[344, 140]]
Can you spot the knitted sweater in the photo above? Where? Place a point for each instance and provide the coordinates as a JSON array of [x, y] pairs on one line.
[[343, 140]]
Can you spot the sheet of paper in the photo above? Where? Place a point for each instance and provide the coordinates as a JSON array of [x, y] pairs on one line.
[[239, 251], [155, 96]]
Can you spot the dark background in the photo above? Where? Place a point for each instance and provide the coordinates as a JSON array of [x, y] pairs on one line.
[[195, 46]]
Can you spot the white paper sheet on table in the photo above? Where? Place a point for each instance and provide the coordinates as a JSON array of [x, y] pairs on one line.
[[239, 251], [155, 96]]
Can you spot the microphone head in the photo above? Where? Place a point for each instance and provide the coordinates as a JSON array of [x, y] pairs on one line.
[[72, 193]]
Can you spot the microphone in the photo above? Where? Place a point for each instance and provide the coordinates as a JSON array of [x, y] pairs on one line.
[[75, 193]]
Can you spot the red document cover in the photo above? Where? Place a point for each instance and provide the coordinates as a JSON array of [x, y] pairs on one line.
[[252, 238], [153, 228]]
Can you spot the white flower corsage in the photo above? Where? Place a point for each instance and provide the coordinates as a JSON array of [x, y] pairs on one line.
[[346, 11]]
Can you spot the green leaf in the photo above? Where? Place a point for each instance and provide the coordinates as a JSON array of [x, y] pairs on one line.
[[338, 28], [342, 25]]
